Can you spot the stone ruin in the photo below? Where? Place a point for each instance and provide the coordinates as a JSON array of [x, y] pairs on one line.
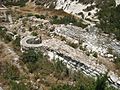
[[72, 58], [30, 42]]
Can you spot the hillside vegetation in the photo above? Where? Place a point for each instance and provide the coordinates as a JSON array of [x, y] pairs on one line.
[[109, 19]]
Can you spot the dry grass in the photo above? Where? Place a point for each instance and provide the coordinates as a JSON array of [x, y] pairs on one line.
[[42, 11], [110, 65]]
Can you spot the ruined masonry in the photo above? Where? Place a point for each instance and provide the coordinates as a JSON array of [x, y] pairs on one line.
[[73, 58]]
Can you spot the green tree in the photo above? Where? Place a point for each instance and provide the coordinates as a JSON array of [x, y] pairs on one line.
[[2, 32], [20, 3], [101, 82], [40, 16], [67, 20], [16, 42], [30, 56], [109, 18], [34, 33]]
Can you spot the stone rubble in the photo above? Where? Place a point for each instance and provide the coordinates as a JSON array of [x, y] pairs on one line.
[[91, 39]]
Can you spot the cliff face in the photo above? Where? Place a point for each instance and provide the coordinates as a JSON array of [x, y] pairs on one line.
[[85, 9], [64, 3], [78, 8], [55, 2]]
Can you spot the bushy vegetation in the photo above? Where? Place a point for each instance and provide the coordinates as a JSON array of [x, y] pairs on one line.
[[36, 15], [29, 15], [60, 69], [18, 86], [42, 68], [16, 42], [101, 83], [4, 36], [117, 62], [20, 3], [67, 20], [2, 32], [63, 87], [74, 45], [83, 84], [95, 54], [109, 18], [30, 56], [40, 16], [37, 63], [9, 71], [34, 33], [110, 21]]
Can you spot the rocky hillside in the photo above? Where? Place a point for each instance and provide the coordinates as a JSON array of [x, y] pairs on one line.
[[50, 41], [86, 9], [93, 12]]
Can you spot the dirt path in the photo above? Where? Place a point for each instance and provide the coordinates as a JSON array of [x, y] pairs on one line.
[[41, 10]]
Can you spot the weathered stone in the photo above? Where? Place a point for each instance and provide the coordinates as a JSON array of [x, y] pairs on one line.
[[1, 88]]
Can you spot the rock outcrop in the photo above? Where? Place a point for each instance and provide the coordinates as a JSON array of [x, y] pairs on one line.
[[73, 58]]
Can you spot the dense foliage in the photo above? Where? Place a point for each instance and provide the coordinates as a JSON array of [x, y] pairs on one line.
[[4, 36], [30, 56], [110, 18], [15, 3], [101, 83], [67, 20]]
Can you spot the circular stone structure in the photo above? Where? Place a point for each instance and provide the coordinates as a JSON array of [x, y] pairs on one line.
[[31, 42]]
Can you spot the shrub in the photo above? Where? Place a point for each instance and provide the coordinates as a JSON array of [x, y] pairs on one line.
[[60, 69], [42, 66], [16, 86], [34, 33], [40, 16], [67, 20], [4, 35], [63, 38], [82, 48], [30, 56], [32, 67], [117, 62], [16, 42], [7, 38], [2, 32], [109, 18], [110, 50], [9, 71], [95, 54], [62, 87], [101, 83], [87, 53], [73, 45], [20, 3], [29, 15]]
